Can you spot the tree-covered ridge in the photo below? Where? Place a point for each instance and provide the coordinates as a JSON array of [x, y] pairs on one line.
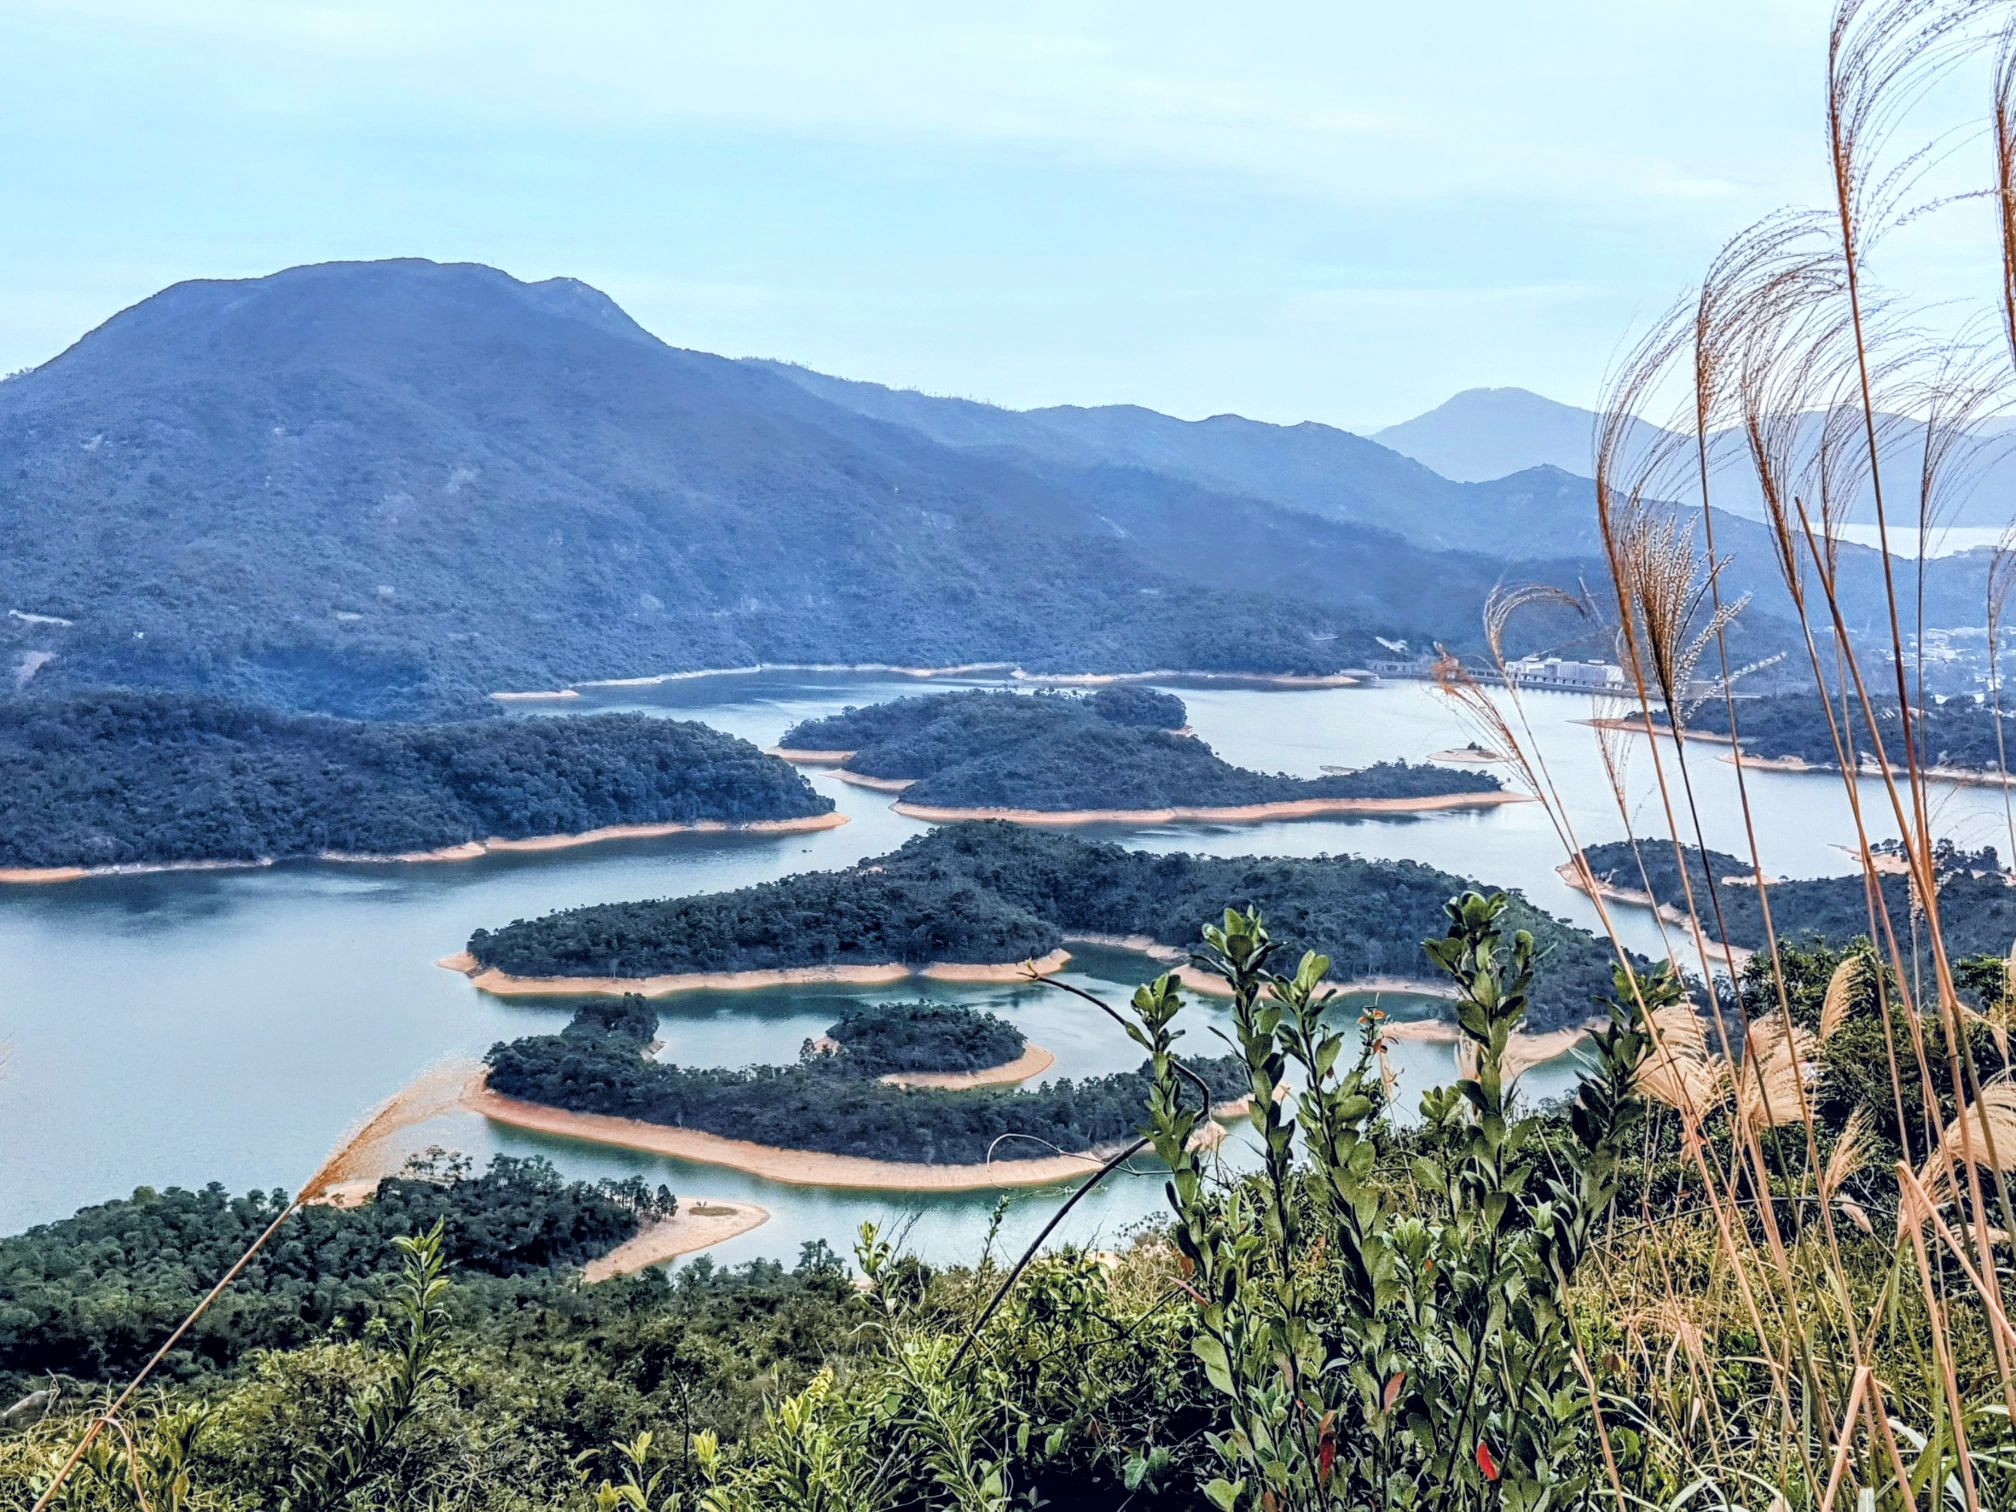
[[828, 1104], [1959, 733], [117, 778], [93, 1294], [992, 892], [1057, 753], [1977, 907], [880, 1039]]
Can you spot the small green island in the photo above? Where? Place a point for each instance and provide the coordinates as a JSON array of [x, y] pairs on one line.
[[1121, 755], [991, 897], [127, 781], [596, 1080], [1977, 906]]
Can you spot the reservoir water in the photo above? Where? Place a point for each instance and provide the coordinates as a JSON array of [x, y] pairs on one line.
[[179, 1029]]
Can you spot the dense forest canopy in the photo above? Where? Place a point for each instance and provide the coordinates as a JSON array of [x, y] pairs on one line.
[[1977, 907], [122, 778], [93, 1294], [991, 892], [878, 1039], [1062, 752], [829, 1103]]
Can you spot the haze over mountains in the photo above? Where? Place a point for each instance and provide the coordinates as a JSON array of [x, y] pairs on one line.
[[1487, 433], [383, 488]]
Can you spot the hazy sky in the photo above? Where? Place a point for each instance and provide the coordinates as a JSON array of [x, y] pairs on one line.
[[1327, 211]]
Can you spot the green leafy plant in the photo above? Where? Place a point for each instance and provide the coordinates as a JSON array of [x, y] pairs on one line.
[[1381, 1340]]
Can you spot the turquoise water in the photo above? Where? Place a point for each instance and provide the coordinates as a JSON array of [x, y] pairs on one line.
[[183, 1028]]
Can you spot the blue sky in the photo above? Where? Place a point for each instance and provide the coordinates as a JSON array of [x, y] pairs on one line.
[[1326, 211]]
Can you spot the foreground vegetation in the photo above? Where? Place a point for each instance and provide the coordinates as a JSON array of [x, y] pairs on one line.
[[990, 892], [1062, 753], [116, 779]]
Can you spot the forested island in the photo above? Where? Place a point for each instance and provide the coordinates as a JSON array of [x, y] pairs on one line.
[[145, 779], [1958, 737], [1977, 907], [831, 1104], [907, 1039], [993, 893], [1113, 755]]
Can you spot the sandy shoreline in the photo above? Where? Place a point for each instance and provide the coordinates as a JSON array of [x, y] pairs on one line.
[[1300, 808], [468, 850], [1464, 753], [801, 757], [1959, 776], [1033, 1061], [788, 1167], [879, 784], [501, 984], [700, 1222], [1636, 724], [1736, 957]]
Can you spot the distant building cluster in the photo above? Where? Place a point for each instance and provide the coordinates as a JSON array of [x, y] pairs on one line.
[[1562, 675]]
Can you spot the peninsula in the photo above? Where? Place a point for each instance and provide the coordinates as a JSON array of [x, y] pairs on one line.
[[1977, 906], [1119, 755], [132, 781]]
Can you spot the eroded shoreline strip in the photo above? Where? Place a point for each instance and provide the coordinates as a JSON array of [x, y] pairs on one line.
[[502, 984], [468, 850]]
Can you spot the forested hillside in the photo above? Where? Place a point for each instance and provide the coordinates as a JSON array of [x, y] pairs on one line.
[[386, 488], [992, 892], [112, 779]]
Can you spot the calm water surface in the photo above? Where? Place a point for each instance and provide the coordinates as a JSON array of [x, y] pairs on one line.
[[179, 1029]]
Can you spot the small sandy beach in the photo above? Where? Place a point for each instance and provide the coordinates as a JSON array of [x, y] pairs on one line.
[[700, 1222], [1033, 1061], [1466, 754], [801, 757], [501, 984], [788, 1167], [1300, 808]]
